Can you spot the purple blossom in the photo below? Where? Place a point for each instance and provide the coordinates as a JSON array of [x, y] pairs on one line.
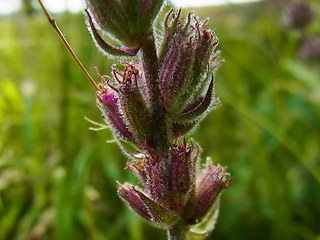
[[298, 15], [166, 93], [108, 98], [150, 103], [310, 48]]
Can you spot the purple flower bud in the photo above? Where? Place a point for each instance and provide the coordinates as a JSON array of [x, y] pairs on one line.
[[131, 196], [187, 62], [127, 113], [128, 21], [111, 113], [206, 61], [171, 186], [111, 18], [105, 47], [161, 216], [153, 174], [174, 71], [199, 106], [181, 174], [147, 208], [108, 98], [133, 99], [298, 15], [210, 183], [310, 48], [169, 180]]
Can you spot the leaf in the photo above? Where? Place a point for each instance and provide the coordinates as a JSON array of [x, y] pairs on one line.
[[202, 230]]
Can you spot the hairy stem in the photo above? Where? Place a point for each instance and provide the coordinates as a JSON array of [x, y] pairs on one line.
[[177, 231], [53, 23], [159, 140]]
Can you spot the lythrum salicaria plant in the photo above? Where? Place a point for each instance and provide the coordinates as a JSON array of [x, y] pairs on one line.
[[151, 102]]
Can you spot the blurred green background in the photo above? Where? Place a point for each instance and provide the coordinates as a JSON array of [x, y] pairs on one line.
[[57, 178]]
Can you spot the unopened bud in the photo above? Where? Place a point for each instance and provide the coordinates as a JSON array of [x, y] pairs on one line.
[[107, 103], [182, 168], [128, 21], [123, 102], [187, 63], [127, 193], [147, 208], [133, 100], [210, 183], [310, 48], [298, 15]]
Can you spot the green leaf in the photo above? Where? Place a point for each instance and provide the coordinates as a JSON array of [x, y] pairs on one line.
[[202, 230]]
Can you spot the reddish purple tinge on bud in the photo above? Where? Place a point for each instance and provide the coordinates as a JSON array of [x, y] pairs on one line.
[[298, 15], [187, 64], [128, 193], [211, 181], [146, 207], [310, 48], [124, 105], [111, 113]]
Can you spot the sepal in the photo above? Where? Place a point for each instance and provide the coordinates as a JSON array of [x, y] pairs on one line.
[[127, 193], [161, 216], [106, 47], [198, 107], [133, 100], [107, 103], [153, 174], [187, 64], [111, 18], [128, 21], [123, 102], [182, 168], [209, 184], [202, 229], [147, 208]]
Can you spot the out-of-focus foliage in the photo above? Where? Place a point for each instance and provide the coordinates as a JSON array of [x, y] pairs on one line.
[[57, 178]]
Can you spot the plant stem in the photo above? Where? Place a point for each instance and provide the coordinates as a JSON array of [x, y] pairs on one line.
[[151, 64], [159, 138], [177, 231], [53, 23]]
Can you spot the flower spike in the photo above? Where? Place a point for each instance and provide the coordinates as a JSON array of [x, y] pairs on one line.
[[151, 103]]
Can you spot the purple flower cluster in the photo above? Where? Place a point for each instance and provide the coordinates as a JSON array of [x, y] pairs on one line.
[[310, 48], [299, 15], [153, 102]]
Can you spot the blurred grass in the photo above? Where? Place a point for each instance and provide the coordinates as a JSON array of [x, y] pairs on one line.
[[57, 178]]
